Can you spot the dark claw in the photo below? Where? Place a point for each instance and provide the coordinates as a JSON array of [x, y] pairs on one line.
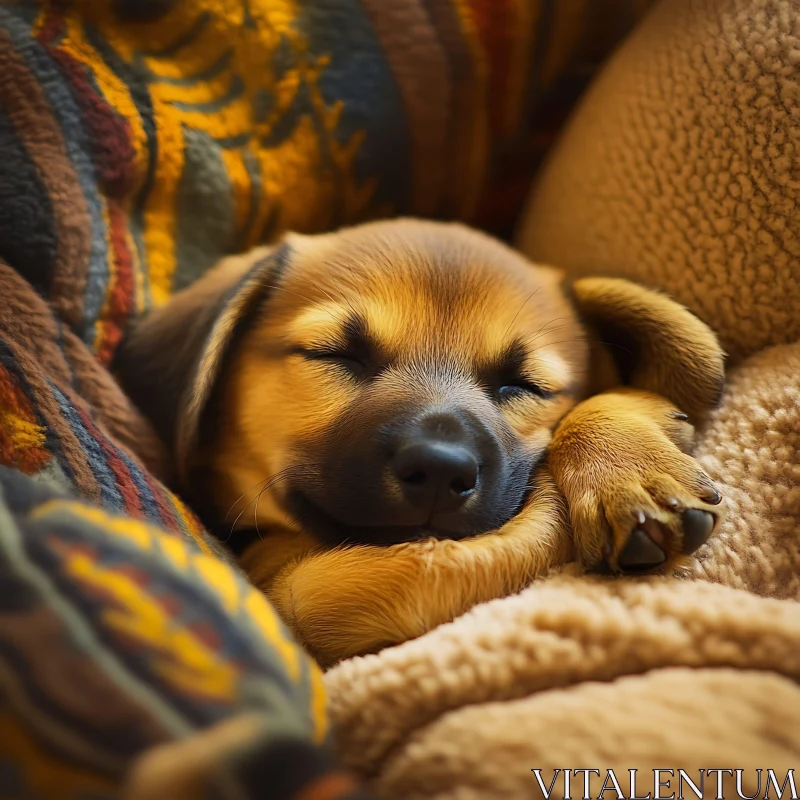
[[712, 496], [697, 527], [641, 553]]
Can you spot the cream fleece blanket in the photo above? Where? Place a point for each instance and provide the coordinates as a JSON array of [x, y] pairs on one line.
[[680, 170]]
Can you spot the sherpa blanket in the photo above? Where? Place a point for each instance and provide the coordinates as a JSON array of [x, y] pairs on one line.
[[140, 140], [679, 170]]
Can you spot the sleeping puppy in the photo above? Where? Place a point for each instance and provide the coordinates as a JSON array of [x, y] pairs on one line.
[[400, 420]]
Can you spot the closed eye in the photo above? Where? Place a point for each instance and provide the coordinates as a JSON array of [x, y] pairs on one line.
[[519, 388], [340, 358], [505, 376], [349, 349]]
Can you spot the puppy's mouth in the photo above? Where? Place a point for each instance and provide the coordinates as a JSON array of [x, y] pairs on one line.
[[311, 516]]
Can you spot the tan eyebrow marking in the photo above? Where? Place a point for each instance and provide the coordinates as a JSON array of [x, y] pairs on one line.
[[559, 371], [321, 321]]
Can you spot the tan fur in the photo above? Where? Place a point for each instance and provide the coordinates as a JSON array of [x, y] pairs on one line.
[[611, 456], [614, 453], [669, 350], [355, 600], [338, 270], [621, 453]]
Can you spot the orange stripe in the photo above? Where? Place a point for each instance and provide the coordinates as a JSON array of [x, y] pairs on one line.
[[114, 91], [191, 522], [330, 787], [496, 32], [22, 439]]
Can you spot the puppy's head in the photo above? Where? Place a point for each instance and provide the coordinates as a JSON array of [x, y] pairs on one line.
[[389, 382], [400, 380], [392, 381]]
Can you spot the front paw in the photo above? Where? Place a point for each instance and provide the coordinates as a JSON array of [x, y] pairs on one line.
[[639, 521]]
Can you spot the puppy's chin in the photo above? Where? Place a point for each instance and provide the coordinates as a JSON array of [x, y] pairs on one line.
[[312, 517]]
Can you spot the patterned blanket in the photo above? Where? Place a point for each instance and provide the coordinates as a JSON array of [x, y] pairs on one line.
[[141, 140]]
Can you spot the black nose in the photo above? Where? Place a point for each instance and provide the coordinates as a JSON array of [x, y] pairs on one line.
[[436, 475]]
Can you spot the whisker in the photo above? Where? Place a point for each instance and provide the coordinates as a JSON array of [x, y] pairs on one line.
[[519, 311], [563, 341], [540, 333], [239, 515], [344, 297], [581, 339], [618, 346], [255, 513], [546, 328], [241, 497], [268, 483]]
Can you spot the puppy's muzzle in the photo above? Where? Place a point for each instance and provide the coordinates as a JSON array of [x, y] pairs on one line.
[[392, 477], [436, 466]]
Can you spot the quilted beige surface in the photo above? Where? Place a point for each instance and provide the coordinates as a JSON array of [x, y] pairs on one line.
[[680, 170]]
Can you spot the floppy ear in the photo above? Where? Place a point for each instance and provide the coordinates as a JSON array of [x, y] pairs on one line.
[[655, 343], [170, 361]]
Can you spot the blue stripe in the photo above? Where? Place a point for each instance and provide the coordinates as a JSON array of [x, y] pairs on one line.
[[109, 493], [234, 142], [149, 505], [253, 167], [132, 78], [360, 76], [31, 555]]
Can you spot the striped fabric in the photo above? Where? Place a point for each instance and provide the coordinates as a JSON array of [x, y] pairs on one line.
[[144, 139], [141, 140], [122, 637]]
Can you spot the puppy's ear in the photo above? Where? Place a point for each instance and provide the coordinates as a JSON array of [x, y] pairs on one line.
[[170, 361], [654, 342]]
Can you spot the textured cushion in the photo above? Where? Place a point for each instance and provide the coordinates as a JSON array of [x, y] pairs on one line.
[[680, 169]]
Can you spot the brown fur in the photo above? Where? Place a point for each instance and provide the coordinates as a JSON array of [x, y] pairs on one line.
[[431, 294]]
